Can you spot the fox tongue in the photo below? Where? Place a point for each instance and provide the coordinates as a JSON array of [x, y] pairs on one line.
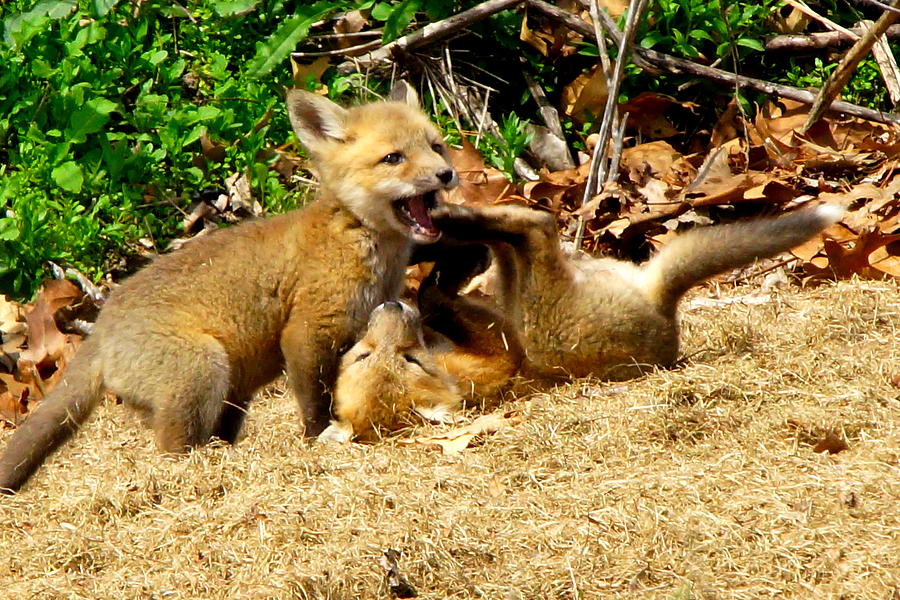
[[416, 209]]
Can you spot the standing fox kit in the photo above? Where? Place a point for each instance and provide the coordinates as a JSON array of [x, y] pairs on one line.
[[601, 316], [191, 337]]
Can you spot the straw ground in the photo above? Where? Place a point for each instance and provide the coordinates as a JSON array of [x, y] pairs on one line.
[[697, 482]]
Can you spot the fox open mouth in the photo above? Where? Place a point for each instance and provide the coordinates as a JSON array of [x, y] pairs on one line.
[[414, 212]]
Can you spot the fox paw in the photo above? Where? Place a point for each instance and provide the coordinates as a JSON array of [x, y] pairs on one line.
[[340, 433]]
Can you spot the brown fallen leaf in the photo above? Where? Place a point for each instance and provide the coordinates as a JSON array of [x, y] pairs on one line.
[[586, 94], [458, 439], [478, 183], [831, 442], [46, 343]]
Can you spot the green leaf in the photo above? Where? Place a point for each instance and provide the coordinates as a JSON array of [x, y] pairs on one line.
[[381, 11], [8, 229], [700, 34], [100, 8], [58, 10], [750, 43], [154, 58], [205, 113], [234, 7], [285, 39], [68, 176], [401, 16], [90, 118]]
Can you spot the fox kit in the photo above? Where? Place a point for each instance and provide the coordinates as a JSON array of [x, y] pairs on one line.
[[388, 378], [192, 336], [601, 316], [472, 340], [406, 364]]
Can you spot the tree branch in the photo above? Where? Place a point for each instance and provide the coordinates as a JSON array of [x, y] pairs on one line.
[[657, 61], [426, 35], [841, 75]]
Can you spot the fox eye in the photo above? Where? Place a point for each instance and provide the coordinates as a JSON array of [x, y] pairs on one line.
[[362, 356], [412, 359], [393, 158], [439, 148]]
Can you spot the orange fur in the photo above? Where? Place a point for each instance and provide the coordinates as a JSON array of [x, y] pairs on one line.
[[605, 317], [192, 336], [388, 377]]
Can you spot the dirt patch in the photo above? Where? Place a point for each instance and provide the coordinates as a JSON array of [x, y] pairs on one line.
[[766, 466]]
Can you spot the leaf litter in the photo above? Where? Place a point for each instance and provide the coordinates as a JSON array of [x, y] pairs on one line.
[[587, 453]]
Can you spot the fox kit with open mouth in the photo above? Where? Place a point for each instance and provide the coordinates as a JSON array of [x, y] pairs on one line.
[[190, 338], [605, 317]]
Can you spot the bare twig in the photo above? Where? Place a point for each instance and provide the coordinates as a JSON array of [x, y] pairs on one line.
[[349, 51], [822, 39], [839, 77], [657, 61], [428, 34], [600, 172], [802, 7], [880, 5], [887, 64]]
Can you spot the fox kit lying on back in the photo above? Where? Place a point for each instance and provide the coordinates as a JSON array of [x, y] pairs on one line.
[[400, 369], [605, 317], [389, 377], [193, 335]]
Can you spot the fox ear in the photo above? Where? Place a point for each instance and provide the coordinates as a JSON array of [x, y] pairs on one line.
[[403, 92], [315, 118]]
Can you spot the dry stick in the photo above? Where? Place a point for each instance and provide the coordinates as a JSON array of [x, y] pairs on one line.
[[823, 39], [550, 116], [428, 34], [338, 51], [841, 75], [816, 16], [599, 167], [653, 61], [886, 7], [887, 64]]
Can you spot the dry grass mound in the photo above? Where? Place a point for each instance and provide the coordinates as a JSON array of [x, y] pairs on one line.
[[768, 466]]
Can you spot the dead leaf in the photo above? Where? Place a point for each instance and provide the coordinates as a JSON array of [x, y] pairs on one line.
[[458, 439], [240, 196], [351, 21], [831, 442], [647, 114], [586, 94], [212, 151], [46, 343], [848, 260], [397, 583], [303, 74], [478, 183], [11, 318]]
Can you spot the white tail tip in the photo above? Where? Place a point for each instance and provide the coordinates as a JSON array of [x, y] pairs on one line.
[[830, 213]]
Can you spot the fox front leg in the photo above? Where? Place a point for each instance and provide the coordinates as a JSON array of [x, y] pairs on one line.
[[311, 361]]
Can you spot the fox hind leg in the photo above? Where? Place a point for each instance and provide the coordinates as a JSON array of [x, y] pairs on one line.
[[191, 403], [231, 419]]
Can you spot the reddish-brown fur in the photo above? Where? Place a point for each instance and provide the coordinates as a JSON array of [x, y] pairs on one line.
[[605, 317], [192, 336]]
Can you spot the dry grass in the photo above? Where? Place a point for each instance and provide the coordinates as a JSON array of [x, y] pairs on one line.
[[699, 482]]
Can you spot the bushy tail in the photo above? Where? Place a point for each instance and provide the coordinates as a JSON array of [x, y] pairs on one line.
[[707, 251], [56, 418]]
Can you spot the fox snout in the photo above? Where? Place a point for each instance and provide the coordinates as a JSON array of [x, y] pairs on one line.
[[448, 177]]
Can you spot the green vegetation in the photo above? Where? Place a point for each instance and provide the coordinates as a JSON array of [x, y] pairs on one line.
[[116, 116]]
